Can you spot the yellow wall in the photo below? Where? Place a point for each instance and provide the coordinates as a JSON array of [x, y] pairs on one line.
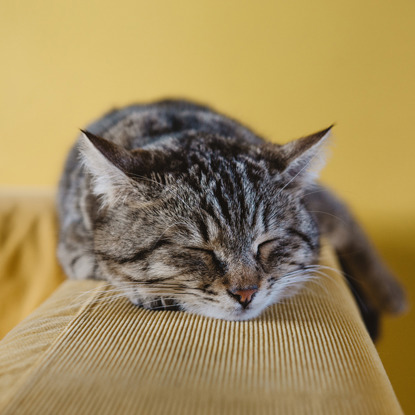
[[284, 67]]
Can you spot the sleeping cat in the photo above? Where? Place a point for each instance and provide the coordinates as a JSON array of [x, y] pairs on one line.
[[183, 208]]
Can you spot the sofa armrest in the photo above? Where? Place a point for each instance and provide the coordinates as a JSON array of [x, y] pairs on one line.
[[84, 352], [29, 271]]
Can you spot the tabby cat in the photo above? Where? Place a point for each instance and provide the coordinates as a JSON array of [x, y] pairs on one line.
[[183, 208]]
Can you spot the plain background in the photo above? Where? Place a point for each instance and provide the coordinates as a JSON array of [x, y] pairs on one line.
[[285, 68]]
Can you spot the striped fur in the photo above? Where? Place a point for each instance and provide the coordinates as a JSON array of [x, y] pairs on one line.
[[179, 206]]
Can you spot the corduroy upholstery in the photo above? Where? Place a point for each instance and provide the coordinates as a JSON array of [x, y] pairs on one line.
[[29, 271], [84, 352]]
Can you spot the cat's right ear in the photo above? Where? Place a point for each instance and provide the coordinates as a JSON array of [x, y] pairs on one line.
[[303, 158], [110, 166]]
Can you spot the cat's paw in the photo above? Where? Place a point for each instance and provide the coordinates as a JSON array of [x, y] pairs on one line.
[[161, 304], [156, 303]]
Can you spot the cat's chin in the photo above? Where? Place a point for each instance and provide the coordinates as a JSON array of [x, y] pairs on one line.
[[227, 312], [244, 316], [236, 315]]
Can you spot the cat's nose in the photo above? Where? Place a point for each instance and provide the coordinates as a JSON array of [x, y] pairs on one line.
[[244, 296]]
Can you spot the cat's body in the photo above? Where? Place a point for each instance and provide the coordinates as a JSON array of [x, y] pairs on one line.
[[185, 208]]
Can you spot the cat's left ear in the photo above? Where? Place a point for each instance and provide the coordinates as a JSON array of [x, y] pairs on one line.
[[305, 157], [111, 166]]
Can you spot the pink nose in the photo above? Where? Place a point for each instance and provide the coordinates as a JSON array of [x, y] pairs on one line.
[[243, 296]]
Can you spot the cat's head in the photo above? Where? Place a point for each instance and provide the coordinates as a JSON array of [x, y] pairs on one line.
[[204, 223]]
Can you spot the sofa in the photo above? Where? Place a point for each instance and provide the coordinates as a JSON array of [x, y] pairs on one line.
[[83, 350]]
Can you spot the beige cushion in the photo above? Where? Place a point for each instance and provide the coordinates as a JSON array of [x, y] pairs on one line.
[[29, 271], [84, 352]]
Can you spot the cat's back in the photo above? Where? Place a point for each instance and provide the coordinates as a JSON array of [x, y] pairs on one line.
[[139, 125]]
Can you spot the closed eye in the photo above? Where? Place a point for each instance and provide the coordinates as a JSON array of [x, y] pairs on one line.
[[265, 246], [194, 248], [218, 263], [303, 236], [143, 253]]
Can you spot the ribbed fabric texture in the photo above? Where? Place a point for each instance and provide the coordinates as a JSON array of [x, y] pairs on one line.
[[29, 270], [83, 352]]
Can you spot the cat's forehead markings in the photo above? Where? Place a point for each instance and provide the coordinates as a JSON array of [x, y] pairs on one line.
[[257, 219], [212, 228]]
